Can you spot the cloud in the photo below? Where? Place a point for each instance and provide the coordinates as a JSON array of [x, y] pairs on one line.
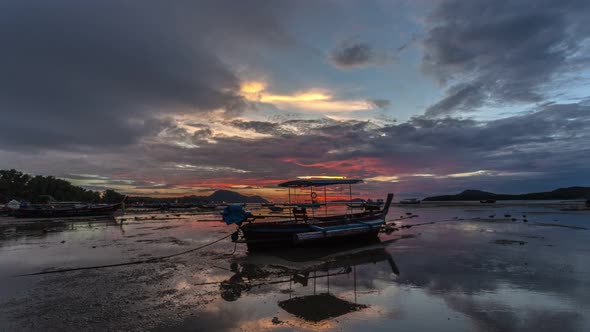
[[431, 155], [503, 52], [380, 103], [314, 100], [351, 55], [102, 73]]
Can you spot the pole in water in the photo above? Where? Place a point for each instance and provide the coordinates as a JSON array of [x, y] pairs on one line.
[[328, 274], [354, 277]]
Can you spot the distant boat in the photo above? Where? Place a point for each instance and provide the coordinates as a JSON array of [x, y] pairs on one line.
[[207, 206], [58, 211], [410, 201], [313, 205], [303, 228], [276, 208], [371, 205], [487, 201], [356, 205]]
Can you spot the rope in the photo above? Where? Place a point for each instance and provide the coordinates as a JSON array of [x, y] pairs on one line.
[[234, 251], [145, 261]]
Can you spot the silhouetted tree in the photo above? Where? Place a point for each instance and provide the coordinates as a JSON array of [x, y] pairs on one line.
[[110, 196], [17, 185]]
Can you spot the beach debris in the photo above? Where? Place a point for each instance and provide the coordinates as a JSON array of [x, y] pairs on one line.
[[509, 242], [513, 219], [492, 216], [525, 220], [507, 216], [409, 213], [63, 241]]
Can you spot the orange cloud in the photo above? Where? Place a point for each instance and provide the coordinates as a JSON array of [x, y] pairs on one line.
[[311, 100], [365, 165]]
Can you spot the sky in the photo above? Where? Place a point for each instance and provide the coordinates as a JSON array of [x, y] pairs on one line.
[[416, 97]]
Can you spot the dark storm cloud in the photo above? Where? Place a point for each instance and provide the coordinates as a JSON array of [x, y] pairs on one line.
[[546, 142], [549, 144], [261, 127], [97, 73], [350, 55], [380, 103], [503, 51]]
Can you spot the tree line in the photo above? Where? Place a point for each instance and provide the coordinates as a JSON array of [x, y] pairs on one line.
[[43, 189]]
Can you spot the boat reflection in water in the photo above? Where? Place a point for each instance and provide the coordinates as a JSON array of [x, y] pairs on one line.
[[312, 308]]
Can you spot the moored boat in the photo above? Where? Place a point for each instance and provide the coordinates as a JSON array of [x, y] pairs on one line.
[[305, 228], [207, 206], [58, 211], [410, 201], [274, 208], [487, 201]]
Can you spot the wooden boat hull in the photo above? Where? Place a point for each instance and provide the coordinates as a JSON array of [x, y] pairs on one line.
[[66, 212], [259, 236], [304, 230]]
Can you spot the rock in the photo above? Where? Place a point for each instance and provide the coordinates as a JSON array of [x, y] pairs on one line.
[[63, 241], [276, 320], [509, 242]]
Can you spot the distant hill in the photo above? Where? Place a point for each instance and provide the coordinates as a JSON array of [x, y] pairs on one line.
[[476, 195], [218, 196], [234, 197]]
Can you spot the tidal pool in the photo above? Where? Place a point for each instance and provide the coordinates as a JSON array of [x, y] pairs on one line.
[[445, 268]]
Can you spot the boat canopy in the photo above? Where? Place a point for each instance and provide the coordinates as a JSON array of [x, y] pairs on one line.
[[316, 183]]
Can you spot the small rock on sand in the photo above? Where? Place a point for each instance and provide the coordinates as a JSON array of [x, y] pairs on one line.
[[508, 242]]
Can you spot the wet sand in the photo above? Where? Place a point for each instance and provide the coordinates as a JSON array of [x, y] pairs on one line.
[[445, 268]]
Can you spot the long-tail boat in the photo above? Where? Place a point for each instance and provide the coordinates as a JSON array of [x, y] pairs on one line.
[[303, 228], [74, 210]]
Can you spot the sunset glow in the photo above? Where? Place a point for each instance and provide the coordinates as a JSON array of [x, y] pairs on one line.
[[243, 98]]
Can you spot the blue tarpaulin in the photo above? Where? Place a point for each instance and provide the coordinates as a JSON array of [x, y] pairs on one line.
[[235, 214]]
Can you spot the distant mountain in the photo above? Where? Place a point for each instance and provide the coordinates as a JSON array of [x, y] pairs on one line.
[[218, 196], [476, 195], [234, 197]]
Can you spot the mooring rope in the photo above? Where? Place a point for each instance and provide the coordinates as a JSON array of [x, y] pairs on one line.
[[145, 261]]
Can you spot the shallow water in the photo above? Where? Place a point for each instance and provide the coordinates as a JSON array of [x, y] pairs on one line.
[[472, 269]]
